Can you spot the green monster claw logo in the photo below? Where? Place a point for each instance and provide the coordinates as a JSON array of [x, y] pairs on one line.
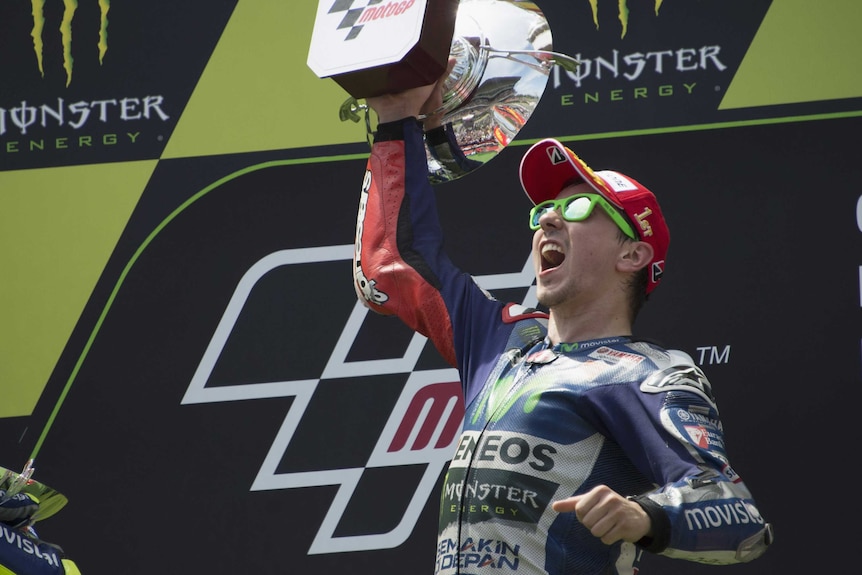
[[623, 13], [499, 399], [69, 7]]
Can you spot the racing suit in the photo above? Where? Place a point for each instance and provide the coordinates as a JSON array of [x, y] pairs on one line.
[[22, 552], [544, 422]]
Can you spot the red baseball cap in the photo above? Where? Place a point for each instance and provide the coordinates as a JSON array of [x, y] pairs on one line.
[[549, 166]]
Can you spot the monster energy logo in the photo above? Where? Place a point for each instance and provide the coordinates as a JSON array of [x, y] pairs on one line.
[[623, 14], [499, 398], [69, 7]]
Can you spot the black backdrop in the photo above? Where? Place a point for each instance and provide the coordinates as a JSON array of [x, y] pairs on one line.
[[762, 288], [763, 269]]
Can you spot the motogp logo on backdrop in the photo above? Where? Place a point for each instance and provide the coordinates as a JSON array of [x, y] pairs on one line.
[[422, 428], [355, 18]]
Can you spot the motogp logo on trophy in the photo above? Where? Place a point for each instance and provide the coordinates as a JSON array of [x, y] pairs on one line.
[[355, 18]]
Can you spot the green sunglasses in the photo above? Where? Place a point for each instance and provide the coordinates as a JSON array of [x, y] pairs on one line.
[[578, 208]]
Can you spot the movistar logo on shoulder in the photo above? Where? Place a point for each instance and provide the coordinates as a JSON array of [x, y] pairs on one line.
[[570, 347]]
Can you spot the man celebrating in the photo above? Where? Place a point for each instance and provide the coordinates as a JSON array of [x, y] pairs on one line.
[[582, 447]]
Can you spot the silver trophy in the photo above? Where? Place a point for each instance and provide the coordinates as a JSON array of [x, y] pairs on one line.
[[503, 51]]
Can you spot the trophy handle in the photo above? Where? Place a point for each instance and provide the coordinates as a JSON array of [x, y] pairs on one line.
[[547, 57]]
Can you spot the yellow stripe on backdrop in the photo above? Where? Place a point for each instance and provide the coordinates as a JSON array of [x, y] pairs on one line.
[[58, 227], [804, 51], [257, 93]]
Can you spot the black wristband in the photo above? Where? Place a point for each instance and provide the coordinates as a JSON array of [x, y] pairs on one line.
[[437, 136], [388, 131], [660, 538]]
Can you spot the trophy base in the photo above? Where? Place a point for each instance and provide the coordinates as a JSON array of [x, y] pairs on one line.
[[424, 64]]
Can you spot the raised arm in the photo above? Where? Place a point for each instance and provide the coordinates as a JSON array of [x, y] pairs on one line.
[[399, 265]]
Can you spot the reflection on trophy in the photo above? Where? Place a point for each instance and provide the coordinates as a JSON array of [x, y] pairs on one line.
[[50, 500], [503, 53]]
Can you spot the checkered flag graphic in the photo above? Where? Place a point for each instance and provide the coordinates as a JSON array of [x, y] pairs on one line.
[[351, 15]]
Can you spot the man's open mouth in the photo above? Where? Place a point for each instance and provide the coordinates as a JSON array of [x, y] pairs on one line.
[[552, 256]]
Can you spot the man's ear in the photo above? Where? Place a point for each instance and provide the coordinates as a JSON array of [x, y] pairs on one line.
[[634, 256]]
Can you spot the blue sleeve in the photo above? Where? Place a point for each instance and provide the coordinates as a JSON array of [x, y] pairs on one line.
[[669, 425], [400, 267]]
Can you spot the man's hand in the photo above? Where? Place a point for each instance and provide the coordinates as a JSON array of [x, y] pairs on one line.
[[399, 105], [412, 102], [608, 515]]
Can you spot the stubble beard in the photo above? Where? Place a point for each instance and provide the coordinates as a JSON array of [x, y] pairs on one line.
[[552, 298]]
